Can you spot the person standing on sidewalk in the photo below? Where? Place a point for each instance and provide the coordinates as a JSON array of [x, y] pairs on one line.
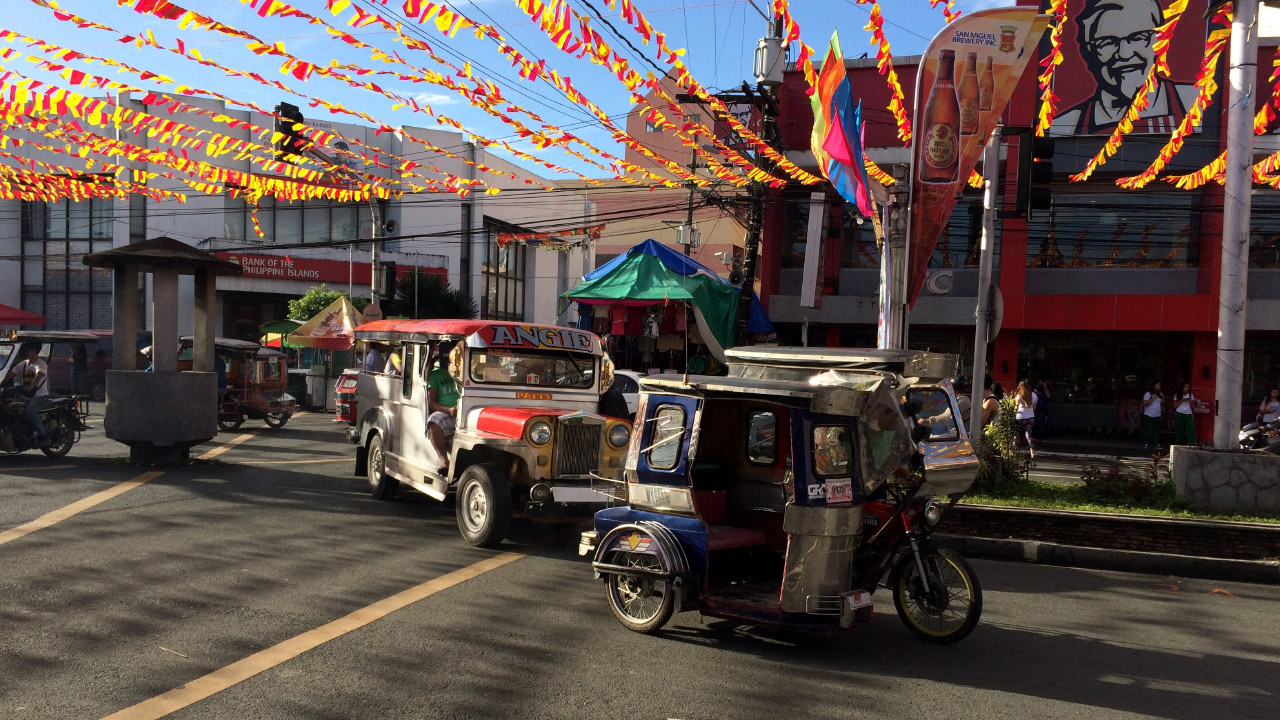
[[1152, 411], [1184, 422], [1270, 408], [1024, 405], [1043, 395], [990, 402]]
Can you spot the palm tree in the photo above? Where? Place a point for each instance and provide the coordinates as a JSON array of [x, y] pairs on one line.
[[432, 298]]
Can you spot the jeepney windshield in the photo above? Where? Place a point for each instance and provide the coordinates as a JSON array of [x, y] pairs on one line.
[[502, 366]]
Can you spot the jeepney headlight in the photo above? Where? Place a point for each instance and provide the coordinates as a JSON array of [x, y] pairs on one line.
[[619, 435], [933, 512], [540, 432]]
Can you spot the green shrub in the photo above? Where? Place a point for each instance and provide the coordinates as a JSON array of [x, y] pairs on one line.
[[1001, 465], [1112, 483]]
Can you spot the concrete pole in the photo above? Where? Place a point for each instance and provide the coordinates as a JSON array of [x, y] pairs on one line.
[[375, 253], [202, 342], [693, 189], [991, 173], [124, 337], [895, 303], [164, 320], [1233, 287]]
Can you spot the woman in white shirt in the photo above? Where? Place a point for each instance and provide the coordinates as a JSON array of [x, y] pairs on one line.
[[1270, 409], [1024, 405], [1151, 412], [1184, 424]]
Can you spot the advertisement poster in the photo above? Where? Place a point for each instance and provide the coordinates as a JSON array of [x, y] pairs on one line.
[[966, 79], [1108, 47]]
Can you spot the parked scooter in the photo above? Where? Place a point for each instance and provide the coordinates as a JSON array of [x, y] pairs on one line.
[[1261, 436], [62, 417]]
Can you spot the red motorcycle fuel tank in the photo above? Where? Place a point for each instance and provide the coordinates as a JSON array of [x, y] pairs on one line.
[[875, 515]]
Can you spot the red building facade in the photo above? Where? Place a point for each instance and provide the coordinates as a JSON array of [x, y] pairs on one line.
[[1104, 293]]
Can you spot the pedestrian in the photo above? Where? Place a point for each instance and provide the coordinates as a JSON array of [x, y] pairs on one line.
[[990, 403], [1184, 423], [1043, 395], [32, 374], [1270, 408], [1024, 405], [963, 402], [1152, 410]]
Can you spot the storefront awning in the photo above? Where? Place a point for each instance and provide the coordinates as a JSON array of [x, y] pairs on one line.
[[14, 316]]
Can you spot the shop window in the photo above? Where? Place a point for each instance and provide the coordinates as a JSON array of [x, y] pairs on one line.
[[668, 428], [1116, 230], [1264, 238], [55, 282], [307, 221], [502, 276]]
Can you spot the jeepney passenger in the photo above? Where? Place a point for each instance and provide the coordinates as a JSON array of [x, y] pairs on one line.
[[442, 404], [373, 360]]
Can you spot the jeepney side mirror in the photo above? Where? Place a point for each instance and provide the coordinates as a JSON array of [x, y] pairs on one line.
[[606, 372]]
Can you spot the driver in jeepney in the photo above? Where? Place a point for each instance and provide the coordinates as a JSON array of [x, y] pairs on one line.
[[442, 404]]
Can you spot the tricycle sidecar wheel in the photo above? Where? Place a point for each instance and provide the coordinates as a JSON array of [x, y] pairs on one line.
[[230, 425], [275, 420], [61, 437], [953, 605], [483, 505], [640, 603], [381, 485]]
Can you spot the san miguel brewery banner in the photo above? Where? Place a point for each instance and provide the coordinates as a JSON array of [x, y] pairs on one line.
[[966, 79]]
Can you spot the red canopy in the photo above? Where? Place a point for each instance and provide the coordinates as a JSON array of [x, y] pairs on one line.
[[14, 316]]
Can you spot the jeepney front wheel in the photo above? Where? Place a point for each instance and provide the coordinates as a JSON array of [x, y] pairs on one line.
[[483, 505], [381, 485]]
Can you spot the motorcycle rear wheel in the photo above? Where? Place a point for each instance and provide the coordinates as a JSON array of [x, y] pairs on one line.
[[230, 424], [642, 604], [61, 437], [950, 610]]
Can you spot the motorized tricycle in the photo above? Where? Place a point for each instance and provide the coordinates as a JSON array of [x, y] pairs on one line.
[[256, 380], [527, 435], [775, 500], [64, 417]]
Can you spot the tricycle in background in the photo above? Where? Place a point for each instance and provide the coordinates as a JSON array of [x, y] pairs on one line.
[[786, 493], [256, 377]]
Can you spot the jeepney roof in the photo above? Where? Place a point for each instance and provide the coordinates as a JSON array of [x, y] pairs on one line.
[[481, 333], [18, 336], [908, 363], [829, 399], [224, 343]]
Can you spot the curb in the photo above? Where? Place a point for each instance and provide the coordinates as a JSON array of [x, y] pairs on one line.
[[1034, 551], [1087, 456]]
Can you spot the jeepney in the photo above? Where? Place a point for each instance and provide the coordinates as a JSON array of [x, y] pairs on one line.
[[528, 442]]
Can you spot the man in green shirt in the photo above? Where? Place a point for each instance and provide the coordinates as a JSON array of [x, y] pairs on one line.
[[442, 404]]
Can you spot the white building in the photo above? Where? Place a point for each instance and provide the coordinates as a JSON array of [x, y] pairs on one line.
[[41, 244]]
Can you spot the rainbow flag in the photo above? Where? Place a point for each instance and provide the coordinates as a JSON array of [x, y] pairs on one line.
[[837, 134], [829, 79]]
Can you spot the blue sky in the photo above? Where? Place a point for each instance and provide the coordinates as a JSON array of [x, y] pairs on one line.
[[720, 36]]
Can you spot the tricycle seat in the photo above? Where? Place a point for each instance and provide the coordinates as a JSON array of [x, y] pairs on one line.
[[724, 537]]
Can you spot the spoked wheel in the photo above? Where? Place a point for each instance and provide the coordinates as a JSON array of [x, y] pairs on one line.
[[483, 505], [230, 423], [643, 604], [276, 420], [381, 485], [949, 610], [61, 437]]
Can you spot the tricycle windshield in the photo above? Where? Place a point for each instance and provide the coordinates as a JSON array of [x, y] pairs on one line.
[[6, 350], [502, 366]]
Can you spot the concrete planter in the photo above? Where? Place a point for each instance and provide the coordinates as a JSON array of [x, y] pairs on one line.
[[161, 415], [1227, 481]]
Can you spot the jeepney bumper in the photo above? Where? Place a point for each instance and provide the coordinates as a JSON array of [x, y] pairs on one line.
[[566, 502], [587, 543], [353, 435]]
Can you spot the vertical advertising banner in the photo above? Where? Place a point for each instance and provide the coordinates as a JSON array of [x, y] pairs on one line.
[[966, 79], [814, 252]]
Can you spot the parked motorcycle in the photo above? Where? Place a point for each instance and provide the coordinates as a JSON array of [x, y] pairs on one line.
[[1261, 436], [63, 421]]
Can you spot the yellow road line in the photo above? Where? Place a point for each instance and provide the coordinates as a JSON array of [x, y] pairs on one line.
[[75, 508], [295, 462], [237, 672]]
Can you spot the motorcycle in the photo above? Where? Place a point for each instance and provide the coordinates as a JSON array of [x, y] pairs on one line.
[[1261, 436], [63, 418]]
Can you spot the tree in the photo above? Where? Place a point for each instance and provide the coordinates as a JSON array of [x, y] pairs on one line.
[[434, 299], [317, 299]]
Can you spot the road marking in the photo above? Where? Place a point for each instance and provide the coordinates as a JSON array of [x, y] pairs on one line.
[[75, 508], [295, 462], [239, 671]]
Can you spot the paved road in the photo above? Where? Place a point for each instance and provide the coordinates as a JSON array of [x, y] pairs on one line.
[[193, 574]]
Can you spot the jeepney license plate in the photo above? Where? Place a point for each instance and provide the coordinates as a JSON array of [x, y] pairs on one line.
[[857, 599]]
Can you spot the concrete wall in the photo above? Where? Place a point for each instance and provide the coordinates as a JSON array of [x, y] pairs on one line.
[[1247, 483]]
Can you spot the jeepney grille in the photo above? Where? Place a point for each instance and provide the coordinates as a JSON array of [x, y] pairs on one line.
[[578, 448]]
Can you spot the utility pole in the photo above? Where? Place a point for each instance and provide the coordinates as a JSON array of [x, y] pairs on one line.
[[374, 310], [693, 189], [990, 172], [894, 256], [1233, 287]]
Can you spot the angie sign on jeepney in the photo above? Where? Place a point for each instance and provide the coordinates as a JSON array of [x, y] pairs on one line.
[[965, 81], [537, 337]]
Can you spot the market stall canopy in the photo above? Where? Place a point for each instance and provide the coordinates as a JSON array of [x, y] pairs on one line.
[[331, 329], [651, 273], [273, 333], [14, 316]]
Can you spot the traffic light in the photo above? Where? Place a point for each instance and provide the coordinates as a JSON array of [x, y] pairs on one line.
[[387, 280], [1035, 174], [291, 141]]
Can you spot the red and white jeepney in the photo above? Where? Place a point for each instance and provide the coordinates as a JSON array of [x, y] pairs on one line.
[[528, 441]]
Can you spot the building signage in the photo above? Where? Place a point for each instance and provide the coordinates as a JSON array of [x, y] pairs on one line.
[[288, 267]]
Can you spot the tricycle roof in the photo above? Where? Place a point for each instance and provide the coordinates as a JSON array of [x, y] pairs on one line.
[[828, 399], [907, 363], [482, 333], [225, 344], [46, 336]]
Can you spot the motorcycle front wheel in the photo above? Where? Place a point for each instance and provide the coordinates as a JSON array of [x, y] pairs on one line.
[[275, 420], [949, 610], [61, 437]]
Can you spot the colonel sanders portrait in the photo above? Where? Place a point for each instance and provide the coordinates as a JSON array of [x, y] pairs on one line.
[[1116, 40]]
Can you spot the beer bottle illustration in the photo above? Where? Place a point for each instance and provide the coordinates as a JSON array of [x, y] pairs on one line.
[[986, 88], [969, 96], [939, 152]]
